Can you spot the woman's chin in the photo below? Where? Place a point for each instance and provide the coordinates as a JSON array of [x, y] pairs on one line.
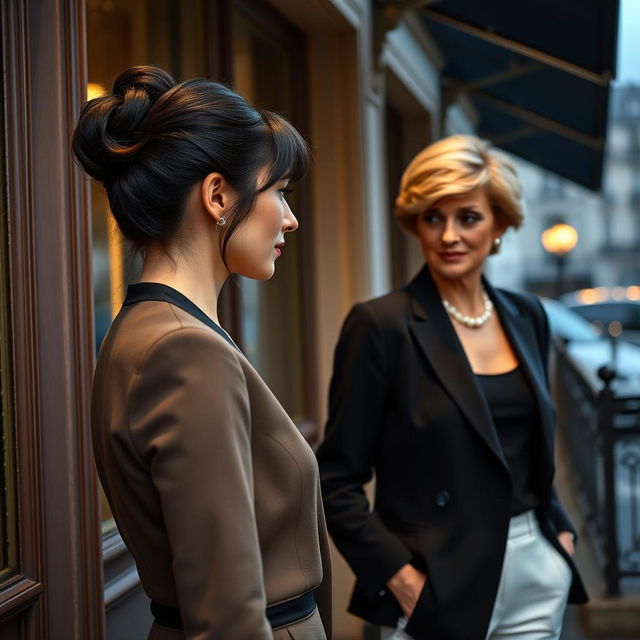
[[454, 271], [449, 271], [263, 273]]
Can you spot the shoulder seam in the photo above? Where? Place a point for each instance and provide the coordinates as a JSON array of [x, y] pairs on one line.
[[204, 330]]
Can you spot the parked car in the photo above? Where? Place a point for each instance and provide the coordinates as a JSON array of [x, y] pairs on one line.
[[590, 350], [567, 324], [607, 305]]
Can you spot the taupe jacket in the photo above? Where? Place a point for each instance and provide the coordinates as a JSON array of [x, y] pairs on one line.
[[213, 489]]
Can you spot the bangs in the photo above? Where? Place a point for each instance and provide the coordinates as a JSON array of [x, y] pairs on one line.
[[426, 188], [289, 155]]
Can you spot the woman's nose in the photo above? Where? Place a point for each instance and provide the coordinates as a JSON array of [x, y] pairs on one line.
[[290, 221], [450, 233]]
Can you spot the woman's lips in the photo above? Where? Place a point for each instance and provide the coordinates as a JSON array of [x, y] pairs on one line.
[[278, 248], [451, 256]]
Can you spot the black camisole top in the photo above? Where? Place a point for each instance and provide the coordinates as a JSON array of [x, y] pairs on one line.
[[514, 412]]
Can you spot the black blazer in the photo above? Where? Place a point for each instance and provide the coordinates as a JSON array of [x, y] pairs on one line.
[[404, 403]]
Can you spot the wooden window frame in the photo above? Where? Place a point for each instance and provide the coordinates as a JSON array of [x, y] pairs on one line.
[[58, 590], [25, 587]]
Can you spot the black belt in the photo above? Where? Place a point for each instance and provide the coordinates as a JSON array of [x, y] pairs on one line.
[[278, 615]]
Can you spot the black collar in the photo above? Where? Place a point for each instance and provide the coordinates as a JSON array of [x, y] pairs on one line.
[[157, 292], [426, 299]]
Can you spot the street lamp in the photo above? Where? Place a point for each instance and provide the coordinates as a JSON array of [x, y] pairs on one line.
[[559, 240]]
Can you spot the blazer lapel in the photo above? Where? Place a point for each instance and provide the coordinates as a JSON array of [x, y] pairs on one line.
[[521, 334], [439, 343]]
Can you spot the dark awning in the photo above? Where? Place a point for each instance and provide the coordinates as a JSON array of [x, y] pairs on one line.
[[536, 71]]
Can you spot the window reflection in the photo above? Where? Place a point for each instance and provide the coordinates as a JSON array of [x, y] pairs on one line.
[[272, 311]]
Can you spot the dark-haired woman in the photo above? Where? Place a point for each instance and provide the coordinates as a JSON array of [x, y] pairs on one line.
[[213, 489]]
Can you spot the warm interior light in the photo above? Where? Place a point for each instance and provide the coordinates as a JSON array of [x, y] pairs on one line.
[[95, 90], [559, 239]]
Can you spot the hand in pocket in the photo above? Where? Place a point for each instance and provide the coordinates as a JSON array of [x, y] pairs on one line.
[[406, 586], [566, 540]]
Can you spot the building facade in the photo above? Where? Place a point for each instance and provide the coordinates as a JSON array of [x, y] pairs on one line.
[[366, 105]]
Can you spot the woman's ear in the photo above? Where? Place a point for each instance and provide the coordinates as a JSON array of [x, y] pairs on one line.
[[217, 196], [500, 229]]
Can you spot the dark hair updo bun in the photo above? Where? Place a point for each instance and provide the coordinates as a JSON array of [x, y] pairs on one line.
[[109, 132], [152, 140]]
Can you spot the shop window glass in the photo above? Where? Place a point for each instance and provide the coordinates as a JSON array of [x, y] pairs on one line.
[[8, 514], [120, 34], [272, 321]]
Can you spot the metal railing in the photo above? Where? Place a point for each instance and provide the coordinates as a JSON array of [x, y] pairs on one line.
[[603, 434]]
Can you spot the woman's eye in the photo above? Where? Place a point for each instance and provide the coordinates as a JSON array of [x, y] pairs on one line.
[[284, 191], [470, 218], [430, 218]]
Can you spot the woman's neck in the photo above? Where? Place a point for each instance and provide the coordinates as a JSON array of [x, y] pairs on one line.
[[199, 276], [465, 293]]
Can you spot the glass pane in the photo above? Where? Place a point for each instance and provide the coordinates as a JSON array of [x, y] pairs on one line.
[[272, 311], [120, 34], [8, 515]]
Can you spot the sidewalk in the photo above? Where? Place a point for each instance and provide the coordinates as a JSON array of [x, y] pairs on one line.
[[571, 629]]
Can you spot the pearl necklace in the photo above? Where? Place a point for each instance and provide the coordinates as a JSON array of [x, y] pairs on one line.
[[468, 321]]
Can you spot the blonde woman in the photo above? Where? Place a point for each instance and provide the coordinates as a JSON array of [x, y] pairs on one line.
[[440, 389]]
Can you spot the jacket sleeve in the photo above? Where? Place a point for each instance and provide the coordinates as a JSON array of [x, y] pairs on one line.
[[190, 424], [357, 399], [559, 518]]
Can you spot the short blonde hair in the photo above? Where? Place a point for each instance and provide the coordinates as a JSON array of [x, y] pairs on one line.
[[454, 166]]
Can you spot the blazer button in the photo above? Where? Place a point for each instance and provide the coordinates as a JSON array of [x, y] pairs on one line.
[[442, 498]]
